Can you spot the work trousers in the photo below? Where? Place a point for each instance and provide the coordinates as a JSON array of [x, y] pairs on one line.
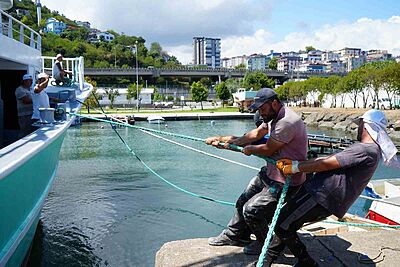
[[255, 207], [302, 208]]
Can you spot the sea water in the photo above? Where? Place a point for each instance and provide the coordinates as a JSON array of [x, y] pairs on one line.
[[106, 208]]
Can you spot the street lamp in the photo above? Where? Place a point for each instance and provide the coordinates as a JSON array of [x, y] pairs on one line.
[[137, 78]]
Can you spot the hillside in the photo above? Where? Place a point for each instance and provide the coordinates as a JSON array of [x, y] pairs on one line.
[[73, 42]]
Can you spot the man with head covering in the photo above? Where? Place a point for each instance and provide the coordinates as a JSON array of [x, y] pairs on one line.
[[58, 71], [338, 181], [24, 105], [256, 205], [40, 99]]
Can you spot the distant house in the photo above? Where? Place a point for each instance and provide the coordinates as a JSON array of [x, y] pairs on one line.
[[85, 24], [98, 36], [55, 26], [22, 12]]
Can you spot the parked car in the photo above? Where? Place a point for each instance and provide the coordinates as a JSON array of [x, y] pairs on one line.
[[158, 104], [168, 104], [384, 103]]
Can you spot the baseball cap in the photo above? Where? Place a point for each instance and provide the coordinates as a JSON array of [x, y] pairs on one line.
[[59, 55], [262, 96], [42, 75], [27, 77], [373, 116]]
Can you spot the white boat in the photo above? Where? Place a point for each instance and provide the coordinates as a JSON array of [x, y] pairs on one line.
[[155, 119], [386, 209], [28, 165]]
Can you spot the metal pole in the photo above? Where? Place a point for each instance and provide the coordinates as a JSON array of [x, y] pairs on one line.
[[137, 78]]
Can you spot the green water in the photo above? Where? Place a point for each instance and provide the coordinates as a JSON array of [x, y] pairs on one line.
[[106, 209]]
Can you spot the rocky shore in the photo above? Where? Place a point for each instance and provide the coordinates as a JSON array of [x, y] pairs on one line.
[[341, 120]]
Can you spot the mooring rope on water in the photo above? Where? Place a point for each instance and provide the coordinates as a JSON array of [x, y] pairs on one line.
[[202, 152]]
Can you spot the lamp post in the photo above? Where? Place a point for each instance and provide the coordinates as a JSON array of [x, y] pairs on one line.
[[137, 77]]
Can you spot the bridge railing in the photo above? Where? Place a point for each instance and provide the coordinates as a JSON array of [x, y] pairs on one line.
[[14, 29]]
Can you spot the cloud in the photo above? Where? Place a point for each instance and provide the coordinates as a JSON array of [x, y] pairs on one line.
[[241, 24], [173, 22], [364, 33]]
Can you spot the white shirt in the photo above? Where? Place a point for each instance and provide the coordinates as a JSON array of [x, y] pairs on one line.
[[56, 71], [39, 100]]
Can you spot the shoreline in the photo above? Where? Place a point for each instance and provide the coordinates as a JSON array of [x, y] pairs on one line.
[[338, 119]]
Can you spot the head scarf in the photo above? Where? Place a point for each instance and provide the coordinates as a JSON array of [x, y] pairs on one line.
[[375, 123]]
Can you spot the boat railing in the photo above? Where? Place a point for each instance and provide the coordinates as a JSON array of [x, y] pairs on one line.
[[18, 31], [74, 65]]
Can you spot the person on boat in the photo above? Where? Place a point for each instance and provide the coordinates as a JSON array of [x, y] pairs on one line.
[[24, 105], [256, 205], [58, 71], [40, 99], [338, 181]]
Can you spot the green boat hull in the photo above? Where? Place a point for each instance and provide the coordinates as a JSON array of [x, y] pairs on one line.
[[22, 195]]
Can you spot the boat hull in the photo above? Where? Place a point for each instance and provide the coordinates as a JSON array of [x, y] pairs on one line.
[[22, 195]]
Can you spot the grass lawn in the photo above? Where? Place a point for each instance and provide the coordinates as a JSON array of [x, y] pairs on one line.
[[155, 111]]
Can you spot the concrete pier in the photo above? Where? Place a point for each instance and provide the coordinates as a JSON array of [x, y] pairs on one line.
[[354, 248]]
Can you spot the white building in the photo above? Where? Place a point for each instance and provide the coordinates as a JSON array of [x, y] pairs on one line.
[[234, 62], [314, 56], [311, 67], [121, 100], [378, 55], [105, 36], [329, 56], [288, 63], [335, 66], [85, 24]]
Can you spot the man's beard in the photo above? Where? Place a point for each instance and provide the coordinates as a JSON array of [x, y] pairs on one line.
[[269, 117]]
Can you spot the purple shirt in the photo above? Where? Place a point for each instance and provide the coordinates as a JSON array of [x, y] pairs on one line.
[[288, 128], [337, 190]]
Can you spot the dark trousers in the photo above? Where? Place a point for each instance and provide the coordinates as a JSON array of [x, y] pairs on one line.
[[255, 207], [300, 209]]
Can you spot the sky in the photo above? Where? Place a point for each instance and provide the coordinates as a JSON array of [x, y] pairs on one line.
[[245, 26]]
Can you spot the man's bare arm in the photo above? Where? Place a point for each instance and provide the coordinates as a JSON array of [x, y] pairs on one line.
[[267, 149], [319, 164], [40, 87]]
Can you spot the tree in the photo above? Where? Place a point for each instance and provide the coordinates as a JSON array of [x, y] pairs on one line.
[[155, 49], [273, 63], [257, 80], [233, 84], [131, 93], [329, 87], [353, 84], [310, 48], [240, 66], [91, 100], [206, 81], [391, 80], [199, 92], [223, 92], [111, 93]]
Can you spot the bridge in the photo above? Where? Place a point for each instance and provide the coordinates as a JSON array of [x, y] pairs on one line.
[[217, 73]]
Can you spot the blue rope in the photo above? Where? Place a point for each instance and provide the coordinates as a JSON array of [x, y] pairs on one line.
[[261, 258]]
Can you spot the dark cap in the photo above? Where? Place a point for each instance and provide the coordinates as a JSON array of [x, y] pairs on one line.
[[262, 96]]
